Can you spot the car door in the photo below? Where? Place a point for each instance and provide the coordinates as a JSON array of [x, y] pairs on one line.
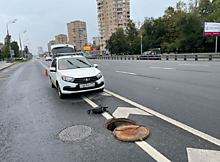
[[53, 74]]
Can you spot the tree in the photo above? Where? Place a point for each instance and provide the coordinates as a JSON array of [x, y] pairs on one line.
[[6, 51], [132, 33], [117, 42], [15, 47], [189, 26], [26, 50]]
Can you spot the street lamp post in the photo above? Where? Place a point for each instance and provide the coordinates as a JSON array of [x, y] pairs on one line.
[[9, 39], [139, 26], [20, 42]]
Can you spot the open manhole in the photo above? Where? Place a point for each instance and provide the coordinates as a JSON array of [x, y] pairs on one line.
[[131, 132], [113, 123], [75, 133]]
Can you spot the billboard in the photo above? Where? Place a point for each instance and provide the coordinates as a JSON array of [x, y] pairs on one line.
[[86, 48], [211, 29]]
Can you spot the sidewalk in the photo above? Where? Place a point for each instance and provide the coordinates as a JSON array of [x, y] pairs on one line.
[[4, 65]]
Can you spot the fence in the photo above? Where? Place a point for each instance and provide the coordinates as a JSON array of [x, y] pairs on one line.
[[196, 57]]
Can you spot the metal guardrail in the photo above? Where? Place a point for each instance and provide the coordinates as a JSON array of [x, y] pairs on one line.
[[196, 57]]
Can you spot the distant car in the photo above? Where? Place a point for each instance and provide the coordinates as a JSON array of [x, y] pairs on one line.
[[150, 55], [74, 74], [48, 58], [38, 57]]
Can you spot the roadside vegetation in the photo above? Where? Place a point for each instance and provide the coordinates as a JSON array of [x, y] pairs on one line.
[[179, 30]]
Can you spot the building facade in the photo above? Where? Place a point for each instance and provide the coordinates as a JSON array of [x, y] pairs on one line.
[[96, 41], [112, 15], [77, 34], [61, 39], [40, 50], [52, 42]]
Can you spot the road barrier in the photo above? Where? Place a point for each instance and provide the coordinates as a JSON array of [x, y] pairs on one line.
[[185, 57]]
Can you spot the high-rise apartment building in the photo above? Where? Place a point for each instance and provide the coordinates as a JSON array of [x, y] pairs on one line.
[[112, 14], [96, 41], [61, 39], [52, 42], [40, 50], [77, 34]]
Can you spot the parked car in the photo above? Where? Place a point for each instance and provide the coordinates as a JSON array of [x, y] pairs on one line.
[[74, 74], [48, 58]]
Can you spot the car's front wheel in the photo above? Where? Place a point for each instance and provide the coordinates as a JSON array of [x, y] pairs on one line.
[[61, 95]]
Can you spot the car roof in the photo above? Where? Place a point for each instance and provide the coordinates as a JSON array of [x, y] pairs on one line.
[[72, 56]]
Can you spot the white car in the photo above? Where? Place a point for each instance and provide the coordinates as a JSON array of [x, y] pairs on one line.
[[48, 58], [74, 74]]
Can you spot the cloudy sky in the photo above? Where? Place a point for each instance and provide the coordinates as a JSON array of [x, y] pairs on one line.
[[43, 19]]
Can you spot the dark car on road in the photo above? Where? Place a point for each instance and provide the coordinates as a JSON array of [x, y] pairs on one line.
[[152, 54]]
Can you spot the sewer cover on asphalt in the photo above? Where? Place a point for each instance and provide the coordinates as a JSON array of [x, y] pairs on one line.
[[131, 132], [115, 122], [75, 133]]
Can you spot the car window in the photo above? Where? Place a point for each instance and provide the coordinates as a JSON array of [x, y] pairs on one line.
[[73, 63], [54, 63]]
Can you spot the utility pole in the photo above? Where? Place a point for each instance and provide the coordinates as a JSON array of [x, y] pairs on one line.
[[20, 43], [9, 39]]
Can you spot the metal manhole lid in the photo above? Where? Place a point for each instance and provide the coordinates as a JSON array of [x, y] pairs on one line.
[[75, 133], [131, 132], [115, 122]]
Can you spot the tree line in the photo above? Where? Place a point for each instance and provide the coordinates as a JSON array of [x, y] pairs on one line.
[[5, 52], [179, 30]]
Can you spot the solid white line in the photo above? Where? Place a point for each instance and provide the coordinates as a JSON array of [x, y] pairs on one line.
[[172, 121], [168, 68], [144, 145], [152, 152], [44, 65]]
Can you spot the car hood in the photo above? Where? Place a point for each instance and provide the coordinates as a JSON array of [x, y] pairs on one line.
[[80, 72]]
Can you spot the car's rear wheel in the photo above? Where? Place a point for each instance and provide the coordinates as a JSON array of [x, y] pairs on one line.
[[101, 90], [60, 94]]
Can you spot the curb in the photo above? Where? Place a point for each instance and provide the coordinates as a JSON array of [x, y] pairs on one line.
[[8, 66]]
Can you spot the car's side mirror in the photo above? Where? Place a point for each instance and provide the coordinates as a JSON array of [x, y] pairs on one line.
[[96, 65], [53, 69]]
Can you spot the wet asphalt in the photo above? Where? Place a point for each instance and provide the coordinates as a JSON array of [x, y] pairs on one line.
[[32, 115]]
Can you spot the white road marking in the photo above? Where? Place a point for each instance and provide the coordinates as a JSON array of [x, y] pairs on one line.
[[170, 120], [123, 72], [168, 68], [152, 152], [124, 112], [193, 65], [155, 67], [199, 155], [43, 65], [3, 78], [144, 145]]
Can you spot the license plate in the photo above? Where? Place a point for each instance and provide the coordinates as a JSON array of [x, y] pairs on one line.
[[87, 85]]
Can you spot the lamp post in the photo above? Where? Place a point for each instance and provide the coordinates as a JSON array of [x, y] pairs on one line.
[[9, 39], [139, 26], [20, 43]]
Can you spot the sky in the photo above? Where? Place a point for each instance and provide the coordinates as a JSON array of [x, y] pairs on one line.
[[43, 19]]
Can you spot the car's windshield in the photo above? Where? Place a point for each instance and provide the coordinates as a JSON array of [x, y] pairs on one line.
[[73, 63], [62, 50]]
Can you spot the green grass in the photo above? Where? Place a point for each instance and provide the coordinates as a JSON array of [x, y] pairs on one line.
[[21, 60]]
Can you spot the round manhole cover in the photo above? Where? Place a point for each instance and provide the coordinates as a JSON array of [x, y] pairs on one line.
[[131, 132], [113, 123], [75, 133]]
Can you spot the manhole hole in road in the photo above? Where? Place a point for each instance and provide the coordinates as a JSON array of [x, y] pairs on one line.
[[75, 133], [113, 123]]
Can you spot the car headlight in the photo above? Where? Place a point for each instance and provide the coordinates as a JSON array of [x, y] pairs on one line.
[[99, 75], [68, 79]]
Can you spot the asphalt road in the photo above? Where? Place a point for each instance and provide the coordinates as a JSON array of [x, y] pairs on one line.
[[32, 115]]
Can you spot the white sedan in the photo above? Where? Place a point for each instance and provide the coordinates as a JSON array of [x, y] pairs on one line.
[[48, 58], [74, 74]]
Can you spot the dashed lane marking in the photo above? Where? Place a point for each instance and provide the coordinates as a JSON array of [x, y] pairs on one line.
[[193, 65], [123, 72], [144, 145], [169, 120]]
